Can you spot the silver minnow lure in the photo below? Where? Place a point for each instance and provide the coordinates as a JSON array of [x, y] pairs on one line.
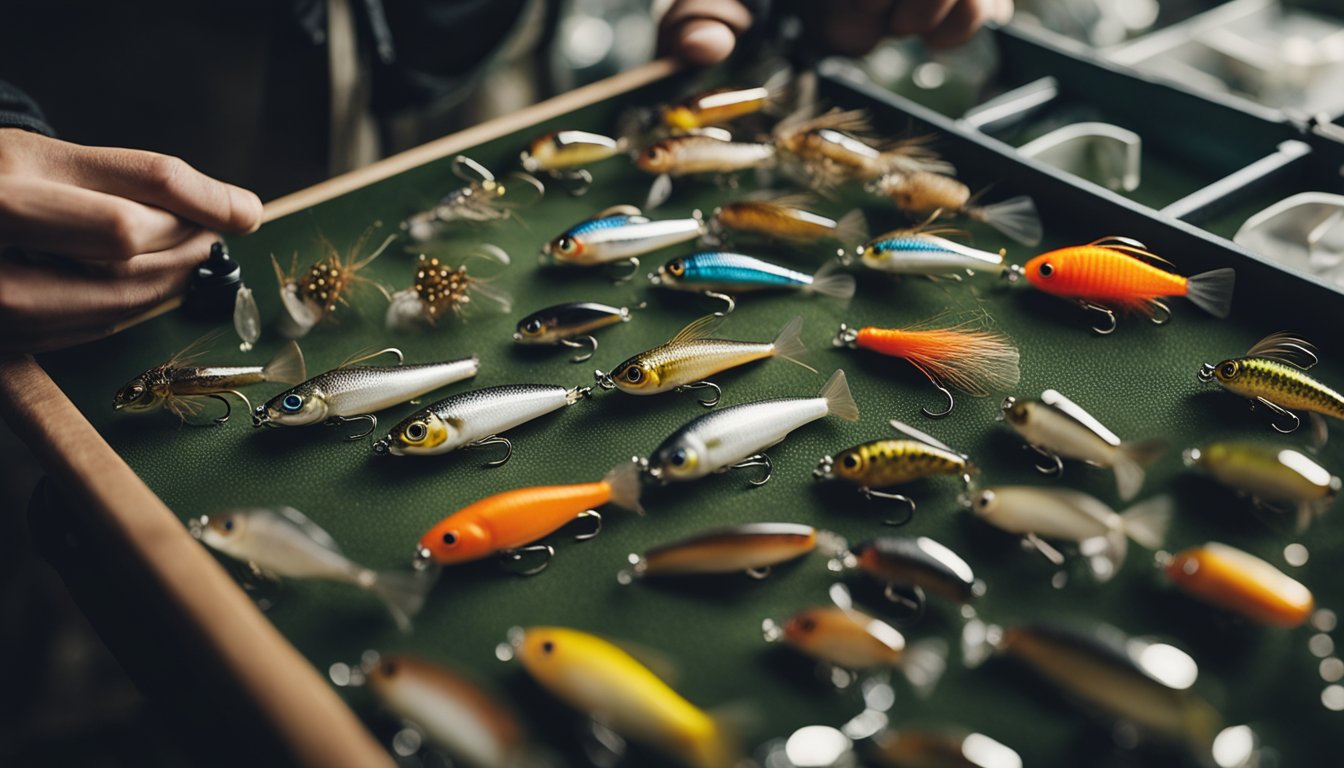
[[285, 543], [1057, 428], [1100, 532], [620, 233], [476, 418], [736, 437], [911, 252], [355, 392]]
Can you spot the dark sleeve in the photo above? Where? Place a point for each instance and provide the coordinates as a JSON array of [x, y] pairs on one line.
[[19, 111]]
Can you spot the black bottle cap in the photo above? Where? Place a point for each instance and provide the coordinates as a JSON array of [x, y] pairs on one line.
[[215, 287]]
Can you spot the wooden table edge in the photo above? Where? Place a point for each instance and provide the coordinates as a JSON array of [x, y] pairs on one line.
[[313, 720]]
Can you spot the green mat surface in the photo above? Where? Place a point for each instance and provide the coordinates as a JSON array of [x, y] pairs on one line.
[[1139, 381]]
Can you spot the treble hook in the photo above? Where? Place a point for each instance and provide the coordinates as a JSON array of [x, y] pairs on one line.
[[711, 402], [1055, 468], [369, 417], [870, 494], [596, 517], [516, 555], [495, 440], [912, 598], [581, 342], [951, 401], [725, 298], [1110, 316], [759, 460], [628, 276], [1282, 413], [1162, 313]]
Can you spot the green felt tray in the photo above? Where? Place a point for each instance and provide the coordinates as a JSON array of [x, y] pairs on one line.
[[1140, 381]]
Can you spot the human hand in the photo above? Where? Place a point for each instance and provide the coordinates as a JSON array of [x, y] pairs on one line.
[[124, 230], [702, 32], [854, 27]]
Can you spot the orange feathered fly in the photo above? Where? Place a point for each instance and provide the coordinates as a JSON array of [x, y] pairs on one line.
[[966, 355], [1117, 273]]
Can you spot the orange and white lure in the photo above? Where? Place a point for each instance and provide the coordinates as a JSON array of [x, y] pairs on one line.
[[1241, 583], [508, 523], [1119, 274], [965, 356]]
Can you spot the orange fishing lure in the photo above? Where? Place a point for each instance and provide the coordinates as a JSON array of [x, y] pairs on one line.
[[507, 522], [1241, 583], [966, 356], [1117, 273]]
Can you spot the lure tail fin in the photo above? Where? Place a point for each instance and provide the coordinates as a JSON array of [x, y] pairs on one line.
[[403, 592], [789, 343], [830, 282], [1105, 554], [1212, 291], [624, 481], [1015, 217], [287, 367], [923, 664], [839, 401], [852, 228], [1130, 463], [1147, 522]]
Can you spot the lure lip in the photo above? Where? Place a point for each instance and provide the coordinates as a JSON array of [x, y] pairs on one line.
[[1205, 372]]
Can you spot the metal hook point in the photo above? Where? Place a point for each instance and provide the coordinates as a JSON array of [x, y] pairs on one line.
[[581, 342], [951, 403], [628, 276], [369, 417], [726, 299], [1161, 313], [711, 401], [596, 518], [759, 460], [1293, 420], [516, 555], [1111, 321], [870, 494], [496, 440]]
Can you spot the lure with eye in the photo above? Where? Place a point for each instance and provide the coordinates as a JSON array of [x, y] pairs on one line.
[[474, 419], [684, 361], [696, 154], [921, 193], [966, 355], [724, 105], [180, 386], [1273, 373], [285, 543], [570, 325], [1271, 476], [751, 549], [355, 392], [566, 155], [313, 296], [837, 146], [1242, 584], [508, 524], [722, 275], [483, 199], [441, 291], [621, 233], [924, 252], [1119, 274], [887, 463]]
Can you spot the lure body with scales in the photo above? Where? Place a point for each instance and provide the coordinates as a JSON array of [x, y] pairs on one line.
[[967, 355], [912, 252], [891, 462], [1271, 475], [1242, 584], [461, 420], [718, 440], [619, 234], [830, 147], [733, 273], [555, 324], [785, 219], [358, 390], [751, 549], [178, 378], [1274, 372]]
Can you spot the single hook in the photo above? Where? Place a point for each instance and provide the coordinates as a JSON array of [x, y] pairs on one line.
[[575, 182], [910, 597], [596, 518], [951, 401], [581, 342], [1281, 413], [517, 555], [759, 573], [228, 409], [482, 173], [759, 460], [531, 181], [628, 276], [870, 494], [1056, 466], [1161, 312], [369, 417], [1105, 330], [725, 298], [495, 440], [712, 401]]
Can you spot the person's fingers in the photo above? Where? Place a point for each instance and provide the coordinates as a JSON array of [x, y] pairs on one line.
[[188, 254], [702, 32], [960, 23], [916, 17], [704, 42], [43, 215], [852, 27]]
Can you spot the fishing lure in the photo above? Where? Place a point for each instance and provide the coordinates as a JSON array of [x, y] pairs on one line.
[[570, 325], [843, 637], [563, 155], [507, 524], [483, 199], [1101, 533], [684, 361], [476, 419], [924, 252], [939, 747], [724, 105], [831, 149], [965, 355], [910, 568], [890, 462], [284, 543], [353, 392], [451, 711], [1273, 374], [1270, 475], [923, 193], [1117, 273], [606, 683], [737, 437], [786, 218], [621, 233], [440, 290], [753, 549], [313, 296], [721, 275], [699, 154], [179, 386], [1242, 584], [1144, 683], [1056, 428]]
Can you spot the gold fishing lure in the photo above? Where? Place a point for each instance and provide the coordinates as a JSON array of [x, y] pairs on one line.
[[312, 296], [1273, 374], [831, 148], [890, 462], [441, 290], [723, 105], [786, 218]]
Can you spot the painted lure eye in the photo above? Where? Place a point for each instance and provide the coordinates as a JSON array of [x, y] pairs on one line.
[[291, 403], [634, 375], [450, 538], [679, 457], [850, 462], [532, 327], [1047, 269], [566, 245], [1228, 370], [677, 267], [416, 431]]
